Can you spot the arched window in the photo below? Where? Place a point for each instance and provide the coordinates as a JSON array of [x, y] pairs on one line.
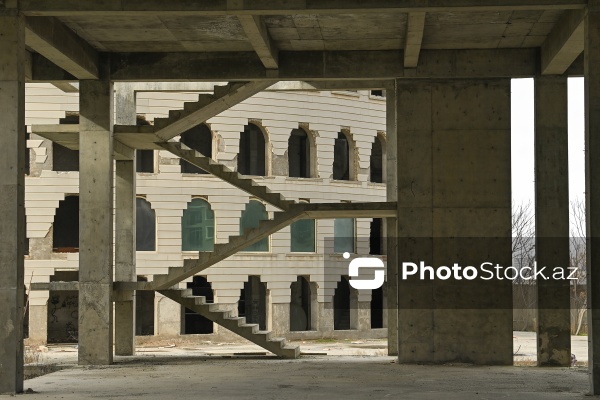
[[65, 233], [342, 158], [254, 213], [198, 227], [377, 161], [301, 305], [251, 159], [343, 235], [145, 229], [198, 138], [299, 154]]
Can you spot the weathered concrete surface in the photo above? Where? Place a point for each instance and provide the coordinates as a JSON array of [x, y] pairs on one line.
[[592, 183], [552, 219], [38, 324], [392, 195], [96, 223], [12, 199], [280, 319], [454, 182]]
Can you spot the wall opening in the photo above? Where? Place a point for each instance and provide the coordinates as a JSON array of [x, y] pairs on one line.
[[375, 237], [144, 310], [63, 310], [254, 213], [300, 305], [65, 232], [377, 308], [341, 158], [378, 93], [195, 323], [251, 158], [145, 228], [144, 159], [376, 163], [299, 154], [64, 159], [198, 226], [253, 302], [341, 306], [198, 138]]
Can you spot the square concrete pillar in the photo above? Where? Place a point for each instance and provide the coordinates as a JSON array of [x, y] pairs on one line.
[[552, 220], [592, 183], [96, 222], [454, 205], [12, 199], [391, 308]]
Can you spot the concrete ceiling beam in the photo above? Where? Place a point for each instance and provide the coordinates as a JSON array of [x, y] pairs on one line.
[[256, 30], [414, 37], [52, 39], [564, 44]]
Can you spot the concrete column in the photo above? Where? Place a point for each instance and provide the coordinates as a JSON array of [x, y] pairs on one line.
[[125, 226], [12, 198], [592, 186], [38, 317], [454, 202], [552, 220], [95, 222], [281, 320], [391, 250]]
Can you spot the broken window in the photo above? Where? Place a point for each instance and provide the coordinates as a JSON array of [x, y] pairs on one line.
[[253, 302], [375, 236], [376, 161], [144, 310], [341, 158], [300, 305], [65, 232], [64, 159], [145, 228], [198, 227], [299, 154], [254, 213], [341, 305], [195, 323], [198, 138], [251, 158], [343, 235]]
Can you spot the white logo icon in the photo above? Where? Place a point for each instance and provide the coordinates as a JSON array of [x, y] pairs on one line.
[[366, 262]]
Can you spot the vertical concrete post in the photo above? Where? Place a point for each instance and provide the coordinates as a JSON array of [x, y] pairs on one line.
[[392, 195], [96, 222], [125, 227], [552, 219], [592, 186], [12, 198]]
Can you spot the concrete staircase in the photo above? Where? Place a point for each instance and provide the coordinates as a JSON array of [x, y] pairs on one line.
[[238, 325], [234, 178]]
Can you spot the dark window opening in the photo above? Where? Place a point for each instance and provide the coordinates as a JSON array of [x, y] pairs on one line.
[[375, 236], [27, 154], [341, 305], [341, 158], [377, 308], [63, 310], [198, 138], [65, 233], [144, 161], [253, 302], [379, 93], [145, 229], [377, 161], [251, 158], [254, 213], [300, 311], [64, 159], [26, 316], [195, 323], [299, 154], [25, 239], [144, 311]]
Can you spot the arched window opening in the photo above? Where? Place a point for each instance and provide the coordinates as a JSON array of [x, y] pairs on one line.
[[299, 154], [198, 227], [251, 158], [341, 158], [195, 323], [198, 138], [343, 235], [145, 229], [341, 305], [300, 305], [375, 237], [253, 302], [65, 233], [377, 308], [254, 213], [377, 161]]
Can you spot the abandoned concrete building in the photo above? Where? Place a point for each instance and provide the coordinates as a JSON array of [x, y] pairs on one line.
[[298, 171]]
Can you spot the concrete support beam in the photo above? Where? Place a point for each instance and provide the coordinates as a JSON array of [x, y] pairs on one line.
[[414, 37], [256, 30], [59, 44], [454, 205], [392, 196], [96, 222], [592, 189], [552, 220], [564, 44], [12, 200]]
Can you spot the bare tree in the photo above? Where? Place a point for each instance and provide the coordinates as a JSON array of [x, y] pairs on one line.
[[523, 255], [578, 260]]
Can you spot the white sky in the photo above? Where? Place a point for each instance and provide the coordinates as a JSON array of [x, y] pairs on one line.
[[522, 140]]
